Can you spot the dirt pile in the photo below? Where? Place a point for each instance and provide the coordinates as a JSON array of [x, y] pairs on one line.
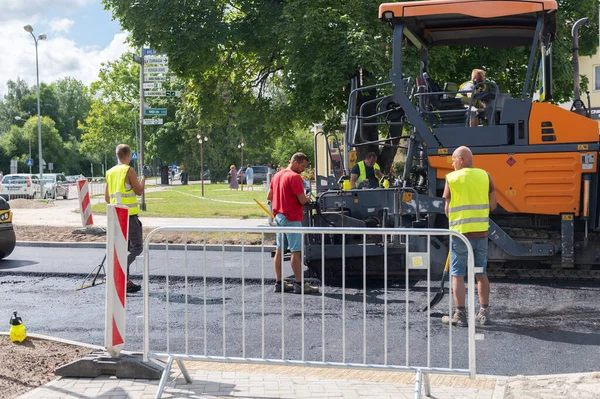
[[27, 365]]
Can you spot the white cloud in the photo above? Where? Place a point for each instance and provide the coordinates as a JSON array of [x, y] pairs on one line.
[[26, 9], [61, 25], [58, 57]]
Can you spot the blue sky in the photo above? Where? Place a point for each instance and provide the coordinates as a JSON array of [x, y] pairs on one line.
[[81, 35]]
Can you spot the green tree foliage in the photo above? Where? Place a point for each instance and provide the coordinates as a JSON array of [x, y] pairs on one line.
[[64, 103], [279, 62], [49, 105], [74, 103], [16, 143]]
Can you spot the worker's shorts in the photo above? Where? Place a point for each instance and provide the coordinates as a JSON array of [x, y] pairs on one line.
[[458, 258], [293, 241]]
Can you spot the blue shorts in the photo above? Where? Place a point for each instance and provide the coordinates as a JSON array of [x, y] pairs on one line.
[[291, 241], [458, 259]]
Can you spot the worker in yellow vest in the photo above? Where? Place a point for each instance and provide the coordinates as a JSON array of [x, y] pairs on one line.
[[366, 171], [470, 196], [122, 187]]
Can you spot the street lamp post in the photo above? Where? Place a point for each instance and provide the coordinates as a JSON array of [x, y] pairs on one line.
[[201, 139], [41, 36], [20, 119], [241, 147]]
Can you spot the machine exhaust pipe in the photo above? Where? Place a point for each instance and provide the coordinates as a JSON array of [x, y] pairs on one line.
[[578, 105]]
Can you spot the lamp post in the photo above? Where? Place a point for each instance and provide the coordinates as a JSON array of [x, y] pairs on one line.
[[201, 139], [20, 119], [41, 36], [241, 147]]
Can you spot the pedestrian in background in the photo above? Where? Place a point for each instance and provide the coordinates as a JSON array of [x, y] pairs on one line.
[[1, 175], [250, 177], [470, 196], [232, 177], [122, 186], [288, 197]]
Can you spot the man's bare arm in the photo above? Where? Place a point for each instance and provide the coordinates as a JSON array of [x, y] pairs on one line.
[[136, 185], [270, 195], [106, 195], [446, 195], [353, 178]]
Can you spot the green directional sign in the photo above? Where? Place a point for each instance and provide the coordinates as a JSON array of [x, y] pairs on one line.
[[155, 111]]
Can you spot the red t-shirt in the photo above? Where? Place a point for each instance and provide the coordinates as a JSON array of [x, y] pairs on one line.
[[286, 186]]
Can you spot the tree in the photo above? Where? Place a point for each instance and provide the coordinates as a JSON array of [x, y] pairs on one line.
[[74, 103], [49, 105], [15, 143], [282, 62]]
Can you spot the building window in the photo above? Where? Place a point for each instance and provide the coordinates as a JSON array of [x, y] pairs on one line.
[[597, 77]]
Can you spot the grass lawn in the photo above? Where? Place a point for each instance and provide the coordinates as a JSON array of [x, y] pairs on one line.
[[186, 201]]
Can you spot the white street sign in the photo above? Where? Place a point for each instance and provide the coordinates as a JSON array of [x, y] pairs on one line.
[[155, 93], [157, 60], [157, 121], [152, 85], [156, 78], [161, 69]]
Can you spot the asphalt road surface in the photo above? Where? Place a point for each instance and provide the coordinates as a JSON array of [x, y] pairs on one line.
[[538, 328]]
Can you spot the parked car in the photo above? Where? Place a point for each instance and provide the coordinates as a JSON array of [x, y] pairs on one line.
[[260, 174], [19, 185], [56, 185], [74, 178]]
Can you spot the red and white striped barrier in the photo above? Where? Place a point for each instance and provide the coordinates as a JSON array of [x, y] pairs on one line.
[[85, 206], [117, 231]]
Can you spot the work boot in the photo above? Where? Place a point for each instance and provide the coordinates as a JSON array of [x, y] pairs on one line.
[[132, 287], [483, 317], [287, 287], [458, 319], [307, 288]]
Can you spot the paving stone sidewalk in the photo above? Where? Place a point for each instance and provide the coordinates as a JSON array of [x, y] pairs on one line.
[[220, 380]]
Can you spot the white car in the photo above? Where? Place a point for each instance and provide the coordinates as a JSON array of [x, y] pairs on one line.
[[20, 185], [56, 185]]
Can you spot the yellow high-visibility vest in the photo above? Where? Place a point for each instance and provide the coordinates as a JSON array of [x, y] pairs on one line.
[[469, 208], [115, 179], [363, 171]]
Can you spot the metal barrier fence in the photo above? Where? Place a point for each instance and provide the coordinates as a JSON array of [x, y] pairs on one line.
[[328, 329], [31, 191]]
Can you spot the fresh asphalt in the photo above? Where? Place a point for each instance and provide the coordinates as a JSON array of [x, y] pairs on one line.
[[538, 328]]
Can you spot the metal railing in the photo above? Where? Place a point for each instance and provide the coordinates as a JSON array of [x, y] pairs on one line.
[[239, 333]]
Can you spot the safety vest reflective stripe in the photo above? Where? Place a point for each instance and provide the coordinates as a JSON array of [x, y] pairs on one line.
[[468, 220], [469, 207], [115, 179], [363, 171], [469, 200], [130, 195]]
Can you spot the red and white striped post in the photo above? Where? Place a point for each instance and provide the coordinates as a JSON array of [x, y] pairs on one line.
[[116, 277], [85, 206]]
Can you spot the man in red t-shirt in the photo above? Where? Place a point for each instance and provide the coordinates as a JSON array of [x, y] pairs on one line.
[[287, 197]]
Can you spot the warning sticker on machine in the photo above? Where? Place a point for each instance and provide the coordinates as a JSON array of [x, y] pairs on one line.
[[588, 160]]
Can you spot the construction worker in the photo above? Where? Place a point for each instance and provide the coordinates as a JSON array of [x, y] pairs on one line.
[[366, 171], [470, 196], [122, 186], [470, 87], [288, 196]]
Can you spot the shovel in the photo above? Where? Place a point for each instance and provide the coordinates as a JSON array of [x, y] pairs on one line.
[[439, 295]]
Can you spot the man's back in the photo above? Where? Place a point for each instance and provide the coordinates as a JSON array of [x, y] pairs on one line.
[[286, 186]]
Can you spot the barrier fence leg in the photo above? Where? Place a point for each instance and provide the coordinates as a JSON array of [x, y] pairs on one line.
[[426, 383], [418, 380], [184, 371]]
